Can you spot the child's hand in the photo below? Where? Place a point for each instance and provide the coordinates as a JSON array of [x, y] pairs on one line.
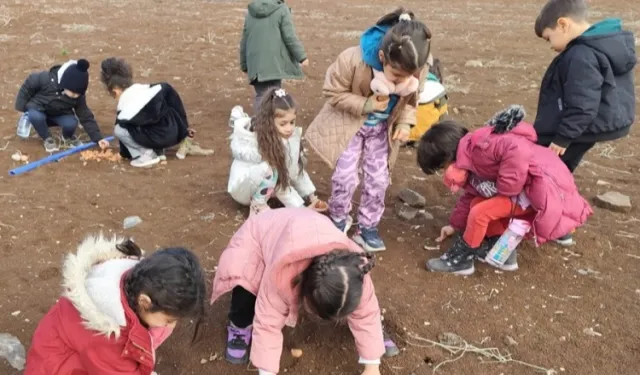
[[380, 103], [401, 135], [371, 370], [445, 232], [557, 149], [305, 63], [103, 143]]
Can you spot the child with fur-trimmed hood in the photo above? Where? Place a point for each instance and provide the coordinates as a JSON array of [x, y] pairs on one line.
[[116, 309]]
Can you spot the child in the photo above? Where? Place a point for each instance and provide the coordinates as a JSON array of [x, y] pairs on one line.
[[355, 123], [116, 310], [268, 156], [269, 49], [505, 175], [54, 98], [150, 118], [432, 103], [587, 94], [292, 258]]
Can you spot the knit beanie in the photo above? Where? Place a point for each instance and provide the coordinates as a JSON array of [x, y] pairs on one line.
[[76, 77]]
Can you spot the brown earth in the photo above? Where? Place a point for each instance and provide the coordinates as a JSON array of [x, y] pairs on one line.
[[546, 306]]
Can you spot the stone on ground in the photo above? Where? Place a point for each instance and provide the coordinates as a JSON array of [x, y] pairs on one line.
[[614, 201], [412, 198]]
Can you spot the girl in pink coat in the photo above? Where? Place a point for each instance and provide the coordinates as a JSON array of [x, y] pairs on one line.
[[282, 259], [504, 174]]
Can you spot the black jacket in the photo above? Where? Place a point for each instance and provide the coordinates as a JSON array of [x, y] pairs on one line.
[[153, 114], [40, 91], [588, 93]]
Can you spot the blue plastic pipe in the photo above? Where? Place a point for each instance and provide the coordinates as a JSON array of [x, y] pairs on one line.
[[53, 157]]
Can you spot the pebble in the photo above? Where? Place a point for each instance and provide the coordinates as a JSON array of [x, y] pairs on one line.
[[406, 212], [474, 64], [131, 222], [208, 218], [614, 201], [509, 341], [412, 198], [15, 313]]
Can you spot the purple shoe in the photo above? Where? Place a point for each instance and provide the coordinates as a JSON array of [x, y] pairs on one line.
[[238, 342], [390, 348]]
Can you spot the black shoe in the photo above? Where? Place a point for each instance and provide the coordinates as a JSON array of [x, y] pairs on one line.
[[457, 260]]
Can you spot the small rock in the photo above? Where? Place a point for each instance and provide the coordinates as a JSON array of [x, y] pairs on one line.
[[591, 332], [296, 353], [509, 341], [208, 218], [406, 212], [474, 64], [451, 339], [425, 215], [456, 110], [412, 198], [614, 201], [602, 183], [15, 313], [203, 361], [131, 222]]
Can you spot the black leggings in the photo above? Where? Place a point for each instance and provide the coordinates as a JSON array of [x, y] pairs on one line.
[[243, 307]]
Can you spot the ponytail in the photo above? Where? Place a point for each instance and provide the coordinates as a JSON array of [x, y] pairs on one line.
[[406, 46]]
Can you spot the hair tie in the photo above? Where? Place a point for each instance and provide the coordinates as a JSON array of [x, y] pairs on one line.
[[280, 93], [405, 17]]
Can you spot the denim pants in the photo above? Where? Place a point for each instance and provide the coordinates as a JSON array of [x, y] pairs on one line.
[[41, 122]]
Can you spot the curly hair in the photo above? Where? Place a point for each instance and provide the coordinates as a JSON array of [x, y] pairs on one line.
[[172, 278], [406, 46], [332, 284], [116, 73], [270, 145]]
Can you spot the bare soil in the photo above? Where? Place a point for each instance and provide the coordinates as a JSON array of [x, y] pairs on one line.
[[545, 306]]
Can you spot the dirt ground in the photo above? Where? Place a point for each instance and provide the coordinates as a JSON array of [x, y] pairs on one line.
[[545, 307]]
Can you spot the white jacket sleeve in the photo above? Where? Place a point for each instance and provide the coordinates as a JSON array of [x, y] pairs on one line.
[[290, 197], [302, 184]]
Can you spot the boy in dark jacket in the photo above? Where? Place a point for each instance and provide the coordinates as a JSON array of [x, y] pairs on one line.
[[54, 98], [270, 50], [587, 94]]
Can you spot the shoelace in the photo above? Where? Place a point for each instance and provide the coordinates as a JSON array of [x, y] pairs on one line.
[[238, 339]]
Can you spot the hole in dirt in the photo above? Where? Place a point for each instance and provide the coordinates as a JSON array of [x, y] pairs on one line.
[[428, 361]]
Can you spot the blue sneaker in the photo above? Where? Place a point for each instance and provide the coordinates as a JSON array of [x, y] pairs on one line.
[[369, 239], [343, 225]]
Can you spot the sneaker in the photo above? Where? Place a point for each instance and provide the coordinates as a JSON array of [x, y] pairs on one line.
[[196, 150], [369, 239], [145, 160], [511, 264], [457, 260], [238, 342], [161, 154], [72, 141], [390, 347], [565, 241], [343, 225], [184, 148], [50, 145]]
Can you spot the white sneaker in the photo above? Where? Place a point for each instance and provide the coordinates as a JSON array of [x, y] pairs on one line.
[[145, 160]]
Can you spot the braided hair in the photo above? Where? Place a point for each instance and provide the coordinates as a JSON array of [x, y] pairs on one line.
[[332, 284]]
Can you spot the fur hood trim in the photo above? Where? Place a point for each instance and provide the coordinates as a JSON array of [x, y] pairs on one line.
[[135, 98], [94, 250]]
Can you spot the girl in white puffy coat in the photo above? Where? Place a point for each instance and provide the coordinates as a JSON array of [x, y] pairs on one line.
[[267, 157]]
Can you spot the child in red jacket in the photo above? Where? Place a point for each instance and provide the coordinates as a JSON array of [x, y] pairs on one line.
[[116, 309], [505, 175]]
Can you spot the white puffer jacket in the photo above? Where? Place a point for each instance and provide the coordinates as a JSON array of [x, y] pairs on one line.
[[248, 169]]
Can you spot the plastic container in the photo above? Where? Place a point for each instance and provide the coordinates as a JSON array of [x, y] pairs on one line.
[[24, 127], [508, 242]]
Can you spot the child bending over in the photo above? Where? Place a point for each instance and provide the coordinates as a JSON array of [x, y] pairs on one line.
[[56, 97], [116, 310], [150, 118], [268, 156], [292, 258], [505, 175], [356, 123], [588, 93]]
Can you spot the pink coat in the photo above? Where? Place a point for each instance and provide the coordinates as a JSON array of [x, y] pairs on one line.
[[516, 163], [265, 255]]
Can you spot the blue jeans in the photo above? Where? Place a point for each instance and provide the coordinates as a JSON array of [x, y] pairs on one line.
[[41, 122]]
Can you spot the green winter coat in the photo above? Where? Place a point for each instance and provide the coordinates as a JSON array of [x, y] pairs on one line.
[[270, 49]]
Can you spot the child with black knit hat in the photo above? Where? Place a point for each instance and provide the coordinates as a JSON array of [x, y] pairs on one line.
[[57, 98]]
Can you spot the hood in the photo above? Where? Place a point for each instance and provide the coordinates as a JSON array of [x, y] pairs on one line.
[[134, 99], [264, 8], [91, 281], [370, 45], [618, 45]]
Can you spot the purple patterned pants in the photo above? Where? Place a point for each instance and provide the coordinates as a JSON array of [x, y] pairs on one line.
[[371, 144]]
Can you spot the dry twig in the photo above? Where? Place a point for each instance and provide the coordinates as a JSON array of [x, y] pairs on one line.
[[464, 347]]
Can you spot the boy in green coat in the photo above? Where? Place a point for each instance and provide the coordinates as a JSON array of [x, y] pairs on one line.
[[270, 50]]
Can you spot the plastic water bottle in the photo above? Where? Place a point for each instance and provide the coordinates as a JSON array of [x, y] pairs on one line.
[[24, 126], [508, 242]]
